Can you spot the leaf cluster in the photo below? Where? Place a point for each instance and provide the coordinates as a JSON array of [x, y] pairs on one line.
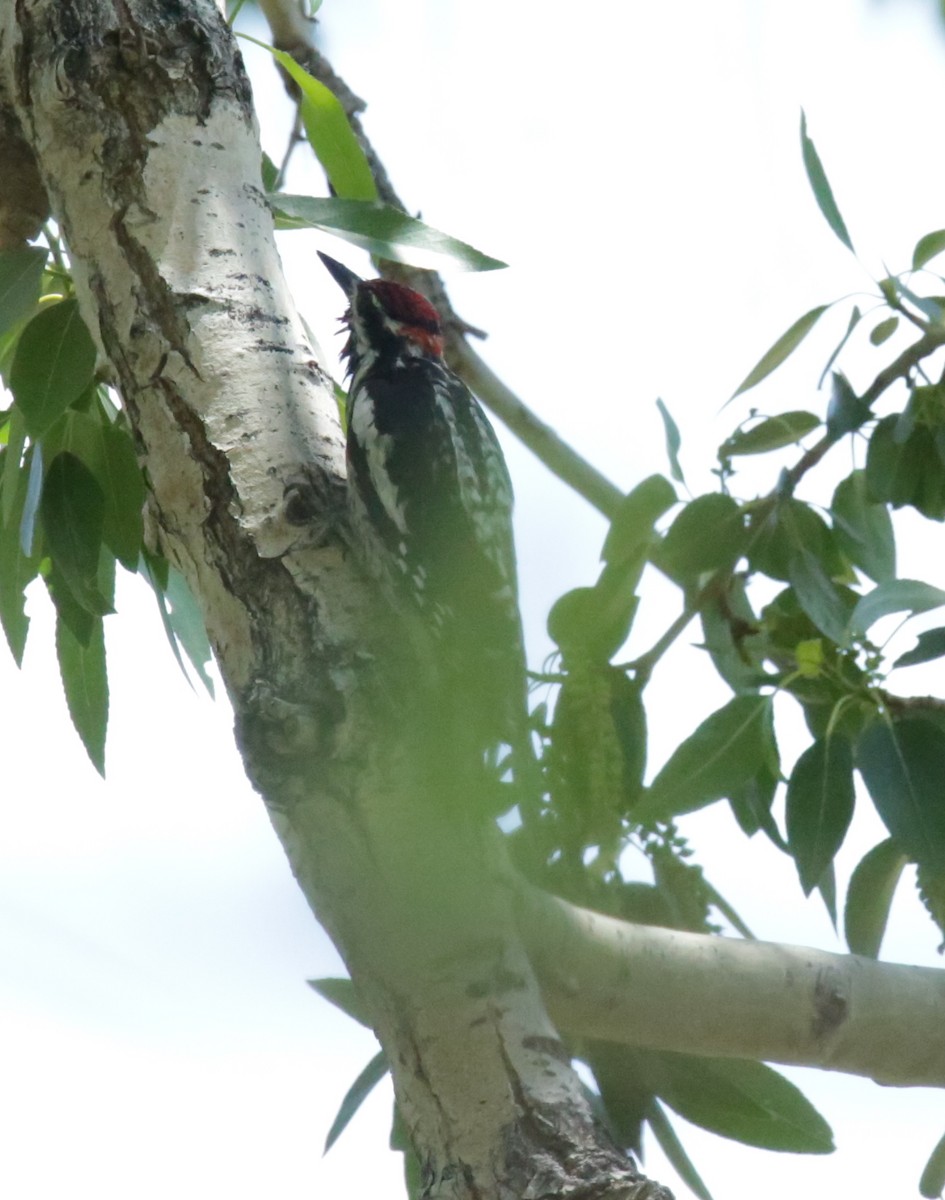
[[71, 490], [788, 595]]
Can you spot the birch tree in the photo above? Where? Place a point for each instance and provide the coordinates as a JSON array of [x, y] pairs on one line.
[[169, 414]]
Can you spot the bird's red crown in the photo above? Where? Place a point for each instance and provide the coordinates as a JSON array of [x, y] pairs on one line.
[[408, 308]]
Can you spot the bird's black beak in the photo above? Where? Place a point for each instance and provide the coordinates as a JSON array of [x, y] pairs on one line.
[[346, 280]]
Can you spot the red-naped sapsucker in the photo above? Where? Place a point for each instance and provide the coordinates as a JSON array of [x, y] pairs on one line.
[[430, 506]]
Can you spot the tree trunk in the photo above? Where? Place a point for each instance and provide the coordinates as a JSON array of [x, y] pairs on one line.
[[138, 115]]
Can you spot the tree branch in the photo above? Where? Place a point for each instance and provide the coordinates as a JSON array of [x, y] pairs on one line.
[[544, 443], [898, 369], [670, 990]]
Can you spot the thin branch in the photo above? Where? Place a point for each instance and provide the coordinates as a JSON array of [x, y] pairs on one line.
[[899, 368], [643, 666], [544, 443], [295, 138]]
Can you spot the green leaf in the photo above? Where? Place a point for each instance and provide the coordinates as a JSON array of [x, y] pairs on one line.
[[17, 569], [624, 1092], [855, 318], [53, 365], [186, 621], [751, 806], [731, 631], [123, 485], [846, 411], [729, 748], [929, 306], [819, 807], [926, 248], [890, 469], [930, 885], [328, 131], [631, 530], [884, 330], [929, 645], [869, 897], [819, 597], [21, 273], [155, 570], [382, 230], [109, 453], [709, 534], [34, 494], [827, 886], [672, 1147], [863, 528], [14, 465], [742, 1100], [717, 900], [771, 434], [269, 173], [180, 616], [903, 466], [673, 442], [932, 1183], [85, 682], [344, 995], [355, 1096], [821, 187], [903, 765], [894, 596], [786, 344], [594, 622], [105, 577], [76, 616], [628, 715], [73, 516]]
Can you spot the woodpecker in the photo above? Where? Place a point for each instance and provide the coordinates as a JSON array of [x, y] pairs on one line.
[[430, 503]]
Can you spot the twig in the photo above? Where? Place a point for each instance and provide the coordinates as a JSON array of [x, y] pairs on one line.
[[295, 137], [901, 366], [642, 667], [543, 442]]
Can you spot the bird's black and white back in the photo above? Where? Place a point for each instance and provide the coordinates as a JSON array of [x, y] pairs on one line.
[[431, 501]]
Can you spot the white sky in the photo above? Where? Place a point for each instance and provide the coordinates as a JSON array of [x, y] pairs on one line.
[[638, 166]]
